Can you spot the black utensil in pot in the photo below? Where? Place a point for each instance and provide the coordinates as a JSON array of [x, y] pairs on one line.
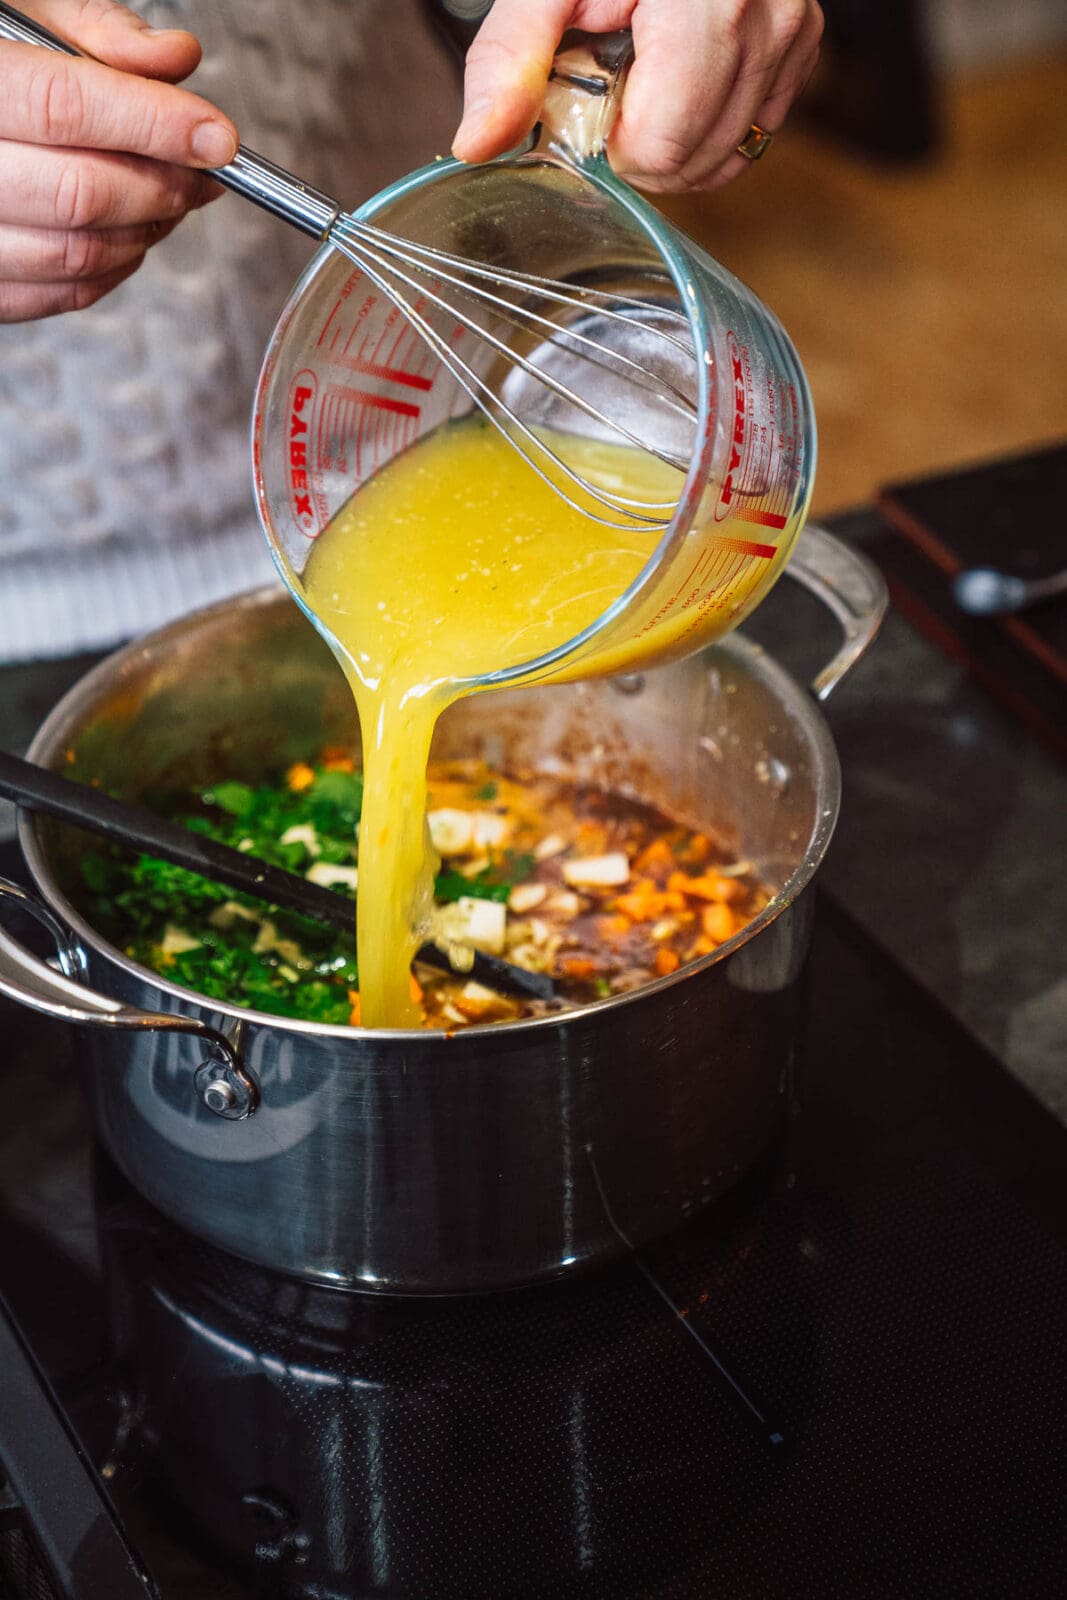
[[133, 827]]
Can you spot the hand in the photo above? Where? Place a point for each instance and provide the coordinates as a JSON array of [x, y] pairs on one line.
[[704, 71], [93, 160]]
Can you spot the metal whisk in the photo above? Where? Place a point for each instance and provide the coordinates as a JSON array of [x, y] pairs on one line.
[[488, 301]]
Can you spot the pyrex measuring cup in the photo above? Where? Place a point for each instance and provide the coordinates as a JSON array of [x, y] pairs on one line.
[[348, 383]]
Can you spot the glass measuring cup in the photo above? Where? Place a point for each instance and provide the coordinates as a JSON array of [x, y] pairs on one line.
[[348, 382]]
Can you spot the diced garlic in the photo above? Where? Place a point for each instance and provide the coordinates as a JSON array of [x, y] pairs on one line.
[[540, 932], [176, 942], [292, 954], [329, 873], [460, 956], [480, 1004], [229, 912], [528, 956], [488, 829], [268, 942], [525, 896], [471, 868], [564, 904], [450, 1014], [551, 845], [735, 869], [451, 830], [478, 991], [302, 833], [481, 924], [597, 872], [664, 928]]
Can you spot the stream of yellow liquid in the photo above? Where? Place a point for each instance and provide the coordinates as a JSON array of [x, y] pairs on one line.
[[455, 560]]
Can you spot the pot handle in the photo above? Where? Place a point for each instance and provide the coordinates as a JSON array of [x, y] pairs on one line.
[[850, 584], [64, 996]]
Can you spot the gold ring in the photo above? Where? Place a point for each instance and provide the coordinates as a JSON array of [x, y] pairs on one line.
[[755, 143]]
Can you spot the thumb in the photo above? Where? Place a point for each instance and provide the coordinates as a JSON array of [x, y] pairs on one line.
[[120, 38], [507, 74]]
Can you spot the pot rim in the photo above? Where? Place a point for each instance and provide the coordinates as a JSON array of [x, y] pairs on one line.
[[53, 733]]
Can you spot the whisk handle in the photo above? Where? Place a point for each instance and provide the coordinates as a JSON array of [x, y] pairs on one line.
[[24, 30], [277, 191], [250, 175]]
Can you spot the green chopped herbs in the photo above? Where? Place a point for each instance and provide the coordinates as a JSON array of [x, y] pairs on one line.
[[232, 946], [494, 882], [246, 952]]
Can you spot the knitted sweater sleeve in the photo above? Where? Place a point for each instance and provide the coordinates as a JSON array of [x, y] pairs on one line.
[[125, 493]]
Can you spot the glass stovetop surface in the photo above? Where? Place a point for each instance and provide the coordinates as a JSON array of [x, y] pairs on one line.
[[845, 1380]]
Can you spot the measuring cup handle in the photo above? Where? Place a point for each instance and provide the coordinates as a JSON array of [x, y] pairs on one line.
[[851, 586], [584, 92]]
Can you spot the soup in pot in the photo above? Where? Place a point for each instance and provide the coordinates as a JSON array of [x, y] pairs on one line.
[[599, 891]]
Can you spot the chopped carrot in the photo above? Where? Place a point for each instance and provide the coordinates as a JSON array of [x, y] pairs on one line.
[[299, 777], [646, 903], [701, 947], [577, 967], [667, 961], [712, 886], [355, 1015], [718, 922], [614, 927], [640, 906], [699, 848], [657, 854], [591, 838], [337, 761], [416, 990]]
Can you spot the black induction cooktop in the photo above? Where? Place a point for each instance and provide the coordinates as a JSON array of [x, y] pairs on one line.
[[846, 1380]]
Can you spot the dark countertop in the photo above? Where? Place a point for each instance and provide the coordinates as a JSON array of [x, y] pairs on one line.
[[950, 847]]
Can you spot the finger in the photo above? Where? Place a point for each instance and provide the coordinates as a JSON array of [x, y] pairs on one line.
[[121, 38], [507, 73], [74, 189], [763, 90], [26, 302], [53, 100], [759, 98], [696, 48], [47, 255], [769, 115]]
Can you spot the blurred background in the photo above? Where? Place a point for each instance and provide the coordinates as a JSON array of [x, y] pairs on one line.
[[909, 227]]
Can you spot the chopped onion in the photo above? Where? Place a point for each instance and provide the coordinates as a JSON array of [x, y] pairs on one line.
[[597, 872], [328, 873]]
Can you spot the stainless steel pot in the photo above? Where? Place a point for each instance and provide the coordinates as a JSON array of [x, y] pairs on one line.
[[414, 1162]]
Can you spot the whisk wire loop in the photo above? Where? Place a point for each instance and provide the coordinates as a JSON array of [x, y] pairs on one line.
[[488, 402], [387, 258]]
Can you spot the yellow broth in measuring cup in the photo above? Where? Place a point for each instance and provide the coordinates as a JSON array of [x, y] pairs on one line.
[[457, 560]]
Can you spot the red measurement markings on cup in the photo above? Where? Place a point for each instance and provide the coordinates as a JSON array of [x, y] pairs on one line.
[[761, 475], [712, 580], [354, 427]]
